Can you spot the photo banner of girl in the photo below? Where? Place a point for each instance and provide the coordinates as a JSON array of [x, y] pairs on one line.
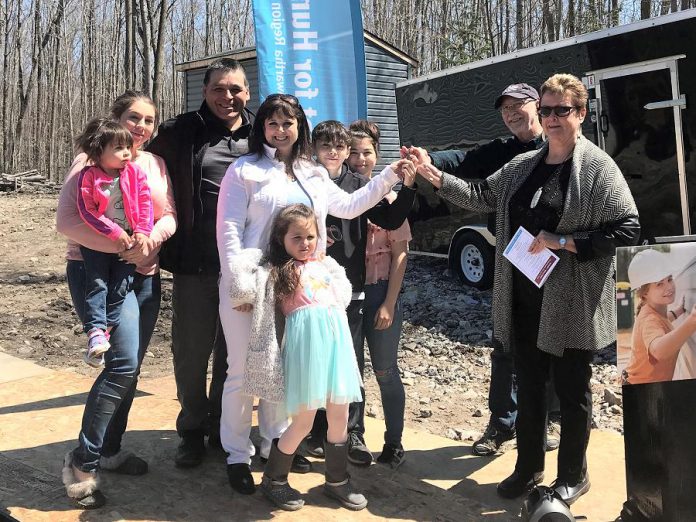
[[656, 313], [656, 356]]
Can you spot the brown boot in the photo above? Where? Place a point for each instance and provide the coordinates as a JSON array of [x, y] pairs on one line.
[[337, 484], [274, 483]]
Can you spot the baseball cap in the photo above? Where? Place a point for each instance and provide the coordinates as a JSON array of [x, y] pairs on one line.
[[517, 90]]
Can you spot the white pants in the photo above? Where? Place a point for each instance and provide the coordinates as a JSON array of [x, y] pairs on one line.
[[235, 424]]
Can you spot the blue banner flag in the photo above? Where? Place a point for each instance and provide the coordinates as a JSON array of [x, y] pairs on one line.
[[313, 49]]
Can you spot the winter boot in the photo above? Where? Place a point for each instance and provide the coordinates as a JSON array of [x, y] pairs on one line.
[[274, 483], [337, 484], [85, 494]]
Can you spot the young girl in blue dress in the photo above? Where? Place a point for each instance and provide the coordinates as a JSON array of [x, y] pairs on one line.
[[318, 361]]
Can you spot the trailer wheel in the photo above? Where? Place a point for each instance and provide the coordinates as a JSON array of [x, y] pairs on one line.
[[473, 260]]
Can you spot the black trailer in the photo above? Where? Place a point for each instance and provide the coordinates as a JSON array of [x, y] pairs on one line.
[[640, 77]]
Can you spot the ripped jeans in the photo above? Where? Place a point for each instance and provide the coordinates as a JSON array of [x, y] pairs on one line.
[[384, 346]]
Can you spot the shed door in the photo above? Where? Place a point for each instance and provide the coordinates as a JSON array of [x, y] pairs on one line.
[[637, 110]]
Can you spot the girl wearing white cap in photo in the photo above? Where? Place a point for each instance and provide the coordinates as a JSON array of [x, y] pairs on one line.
[[656, 341]]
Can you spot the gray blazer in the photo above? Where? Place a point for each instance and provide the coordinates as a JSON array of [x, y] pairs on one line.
[[578, 308]]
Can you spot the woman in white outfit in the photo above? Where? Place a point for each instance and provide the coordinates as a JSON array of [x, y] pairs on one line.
[[277, 172]]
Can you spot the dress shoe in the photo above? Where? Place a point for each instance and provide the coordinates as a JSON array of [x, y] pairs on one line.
[[240, 478], [190, 452], [518, 484], [299, 464], [570, 491]]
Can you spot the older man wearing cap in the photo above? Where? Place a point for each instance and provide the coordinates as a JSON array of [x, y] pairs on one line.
[[518, 107]]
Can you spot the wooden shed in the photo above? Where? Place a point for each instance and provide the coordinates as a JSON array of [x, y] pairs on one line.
[[386, 66]]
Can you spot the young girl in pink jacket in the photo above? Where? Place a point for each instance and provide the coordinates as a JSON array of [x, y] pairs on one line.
[[113, 198]]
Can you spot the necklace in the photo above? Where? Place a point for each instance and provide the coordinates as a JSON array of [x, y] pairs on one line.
[[289, 173], [552, 178]]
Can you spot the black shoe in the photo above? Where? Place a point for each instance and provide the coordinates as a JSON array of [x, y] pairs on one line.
[[314, 445], [392, 455], [299, 464], [214, 438], [553, 435], [491, 440], [517, 484], [570, 491], [240, 478], [358, 453], [190, 452]]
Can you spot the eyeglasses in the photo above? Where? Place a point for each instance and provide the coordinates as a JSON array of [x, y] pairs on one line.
[[512, 107], [562, 111]]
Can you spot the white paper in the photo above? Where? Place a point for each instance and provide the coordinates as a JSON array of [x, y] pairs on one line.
[[537, 267]]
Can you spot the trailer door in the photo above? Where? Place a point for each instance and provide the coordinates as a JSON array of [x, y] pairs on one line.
[[637, 110]]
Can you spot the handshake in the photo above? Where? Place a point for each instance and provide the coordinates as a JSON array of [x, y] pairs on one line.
[[415, 160]]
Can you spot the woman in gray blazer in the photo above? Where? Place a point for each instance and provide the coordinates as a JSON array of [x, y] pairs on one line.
[[572, 197]]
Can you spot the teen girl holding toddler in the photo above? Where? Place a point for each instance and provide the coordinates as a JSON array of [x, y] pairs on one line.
[[114, 200]]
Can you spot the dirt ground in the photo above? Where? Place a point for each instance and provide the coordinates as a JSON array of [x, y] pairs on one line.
[[37, 323]]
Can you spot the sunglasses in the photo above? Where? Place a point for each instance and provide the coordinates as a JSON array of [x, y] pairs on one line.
[[562, 111], [287, 98]]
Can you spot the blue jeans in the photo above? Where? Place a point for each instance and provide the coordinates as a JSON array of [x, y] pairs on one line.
[[108, 280], [384, 347], [109, 401]]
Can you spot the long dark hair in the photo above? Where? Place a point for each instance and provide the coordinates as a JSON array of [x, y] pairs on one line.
[[288, 106], [283, 273]]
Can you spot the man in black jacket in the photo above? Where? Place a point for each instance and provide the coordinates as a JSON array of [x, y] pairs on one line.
[[518, 108], [198, 147]]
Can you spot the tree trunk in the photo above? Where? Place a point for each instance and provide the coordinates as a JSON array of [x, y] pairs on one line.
[[571, 18], [519, 23], [159, 53], [146, 39], [25, 94], [645, 9], [129, 65]]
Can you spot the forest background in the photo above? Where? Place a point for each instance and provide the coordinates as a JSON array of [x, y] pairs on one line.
[[64, 61]]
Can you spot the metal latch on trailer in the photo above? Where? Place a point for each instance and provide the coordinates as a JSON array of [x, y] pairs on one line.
[[666, 104]]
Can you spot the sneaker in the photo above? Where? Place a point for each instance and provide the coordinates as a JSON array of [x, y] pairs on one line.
[[97, 346], [358, 453], [392, 455], [491, 440], [300, 464], [553, 435]]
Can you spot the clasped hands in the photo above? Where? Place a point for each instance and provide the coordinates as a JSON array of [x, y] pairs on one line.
[[135, 249], [415, 160]]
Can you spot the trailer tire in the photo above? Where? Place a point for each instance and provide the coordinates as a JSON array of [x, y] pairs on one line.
[[473, 259]]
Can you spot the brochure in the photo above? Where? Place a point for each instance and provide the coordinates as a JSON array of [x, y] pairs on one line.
[[537, 267]]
